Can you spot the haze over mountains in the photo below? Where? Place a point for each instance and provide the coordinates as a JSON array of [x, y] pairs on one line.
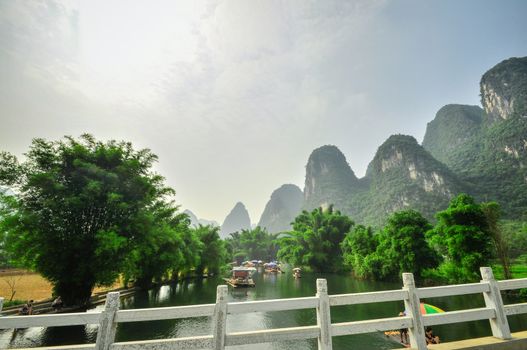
[[237, 220], [480, 151]]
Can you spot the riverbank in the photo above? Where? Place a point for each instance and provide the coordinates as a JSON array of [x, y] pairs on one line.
[[24, 280], [29, 285]]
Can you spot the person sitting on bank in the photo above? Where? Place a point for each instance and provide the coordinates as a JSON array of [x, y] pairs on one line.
[[30, 306], [403, 331], [430, 337], [24, 310], [57, 304]]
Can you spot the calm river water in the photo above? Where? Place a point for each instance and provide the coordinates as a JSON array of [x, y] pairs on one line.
[[267, 287]]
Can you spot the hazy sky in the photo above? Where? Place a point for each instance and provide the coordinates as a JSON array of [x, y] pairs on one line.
[[234, 95]]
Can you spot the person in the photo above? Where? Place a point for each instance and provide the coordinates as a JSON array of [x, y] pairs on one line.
[[403, 331], [57, 303], [430, 337], [24, 310], [30, 307]]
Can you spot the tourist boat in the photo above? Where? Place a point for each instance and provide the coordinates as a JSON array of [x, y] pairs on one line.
[[241, 277], [297, 272], [272, 267]]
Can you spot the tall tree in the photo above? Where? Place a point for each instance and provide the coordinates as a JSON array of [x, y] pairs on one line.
[[462, 237], [153, 255], [256, 244], [402, 246], [234, 248], [356, 247], [492, 214], [214, 253], [315, 240], [75, 216]]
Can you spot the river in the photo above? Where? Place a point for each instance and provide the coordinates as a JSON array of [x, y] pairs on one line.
[[268, 286]]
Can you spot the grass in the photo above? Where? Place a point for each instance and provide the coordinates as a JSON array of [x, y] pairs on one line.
[[518, 268], [29, 285], [13, 303]]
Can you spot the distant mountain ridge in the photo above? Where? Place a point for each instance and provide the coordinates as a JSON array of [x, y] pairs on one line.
[[195, 222], [480, 151]]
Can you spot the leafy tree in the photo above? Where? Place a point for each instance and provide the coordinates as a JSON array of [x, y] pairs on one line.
[[234, 248], [462, 237], [214, 253], [515, 235], [315, 240], [152, 255], [78, 203], [402, 246], [192, 249], [356, 247], [255, 244], [399, 247]]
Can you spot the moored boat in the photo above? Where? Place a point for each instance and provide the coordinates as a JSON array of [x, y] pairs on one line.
[[272, 267], [241, 277]]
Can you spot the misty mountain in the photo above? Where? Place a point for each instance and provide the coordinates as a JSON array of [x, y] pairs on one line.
[[281, 209], [454, 129], [195, 222], [329, 178], [237, 220]]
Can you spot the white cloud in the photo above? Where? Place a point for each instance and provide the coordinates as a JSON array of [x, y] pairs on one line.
[[233, 95]]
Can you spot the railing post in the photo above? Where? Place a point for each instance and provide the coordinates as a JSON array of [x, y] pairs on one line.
[[323, 316], [1, 304], [219, 318], [499, 324], [412, 306], [107, 326]]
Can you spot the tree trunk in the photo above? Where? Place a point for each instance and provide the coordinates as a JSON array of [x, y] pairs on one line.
[[74, 294]]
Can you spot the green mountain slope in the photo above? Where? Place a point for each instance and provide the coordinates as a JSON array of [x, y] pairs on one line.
[[481, 151], [490, 151], [404, 175], [329, 178], [453, 134]]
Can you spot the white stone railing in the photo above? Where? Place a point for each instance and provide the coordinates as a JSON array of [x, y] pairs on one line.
[[324, 330]]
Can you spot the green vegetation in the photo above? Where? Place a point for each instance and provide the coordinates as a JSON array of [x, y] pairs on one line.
[[492, 214], [14, 302], [509, 80], [357, 249], [329, 178], [315, 240], [256, 244], [403, 175], [465, 150], [518, 269], [467, 235], [488, 152], [453, 128], [214, 251], [86, 212], [399, 247], [462, 237]]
